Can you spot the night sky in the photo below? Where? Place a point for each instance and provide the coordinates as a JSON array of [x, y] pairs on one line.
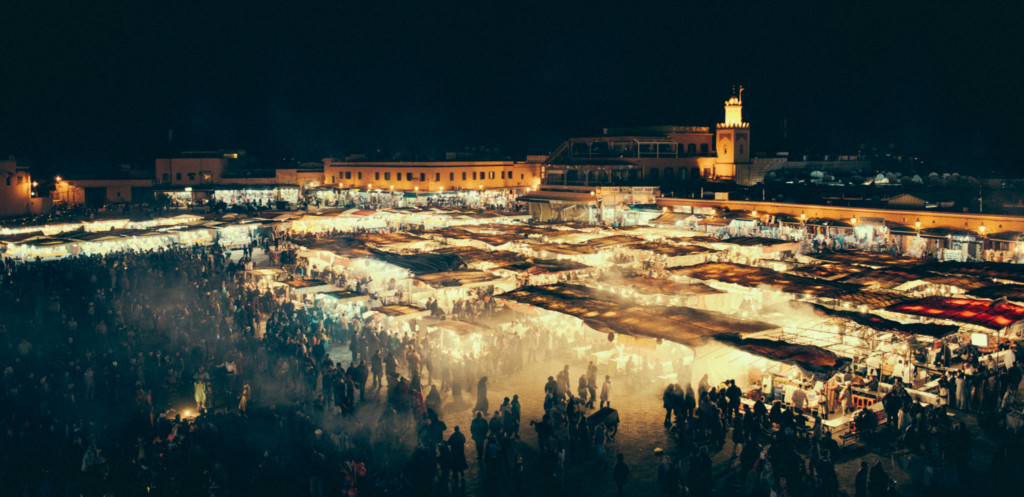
[[94, 82]]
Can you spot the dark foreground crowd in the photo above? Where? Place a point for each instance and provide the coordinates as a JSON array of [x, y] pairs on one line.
[[144, 374], [165, 373]]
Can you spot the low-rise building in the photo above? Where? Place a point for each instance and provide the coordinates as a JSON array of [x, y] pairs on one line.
[[432, 176]]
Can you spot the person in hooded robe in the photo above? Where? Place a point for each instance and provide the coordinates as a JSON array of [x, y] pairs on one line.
[[481, 395]]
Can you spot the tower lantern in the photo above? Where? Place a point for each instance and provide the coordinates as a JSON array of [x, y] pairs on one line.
[[734, 109]]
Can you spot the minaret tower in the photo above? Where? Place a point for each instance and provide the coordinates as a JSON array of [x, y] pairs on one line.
[[732, 140]]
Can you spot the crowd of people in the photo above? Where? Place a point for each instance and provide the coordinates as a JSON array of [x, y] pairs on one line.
[[169, 373], [166, 373]]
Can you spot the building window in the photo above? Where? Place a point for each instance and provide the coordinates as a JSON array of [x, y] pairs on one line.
[[387, 176], [703, 148], [474, 175], [437, 176], [167, 177], [740, 148], [348, 174], [451, 176], [191, 176], [359, 175], [668, 173], [491, 175], [408, 176], [503, 175], [177, 176], [521, 176], [376, 176], [654, 174], [691, 148]]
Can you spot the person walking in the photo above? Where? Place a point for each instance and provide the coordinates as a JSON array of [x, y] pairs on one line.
[[606, 391], [600, 435], [669, 477], [591, 384], [516, 409], [846, 397], [619, 473], [961, 391], [457, 445], [478, 430], [376, 369], [861, 482], [668, 401], [243, 402], [202, 380]]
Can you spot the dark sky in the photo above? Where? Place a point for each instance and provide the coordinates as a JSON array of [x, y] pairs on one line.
[[88, 82]]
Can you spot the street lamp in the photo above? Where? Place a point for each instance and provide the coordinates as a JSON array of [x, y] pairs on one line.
[[981, 229], [853, 221]]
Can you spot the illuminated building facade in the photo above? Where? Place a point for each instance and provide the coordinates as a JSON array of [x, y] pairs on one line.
[[432, 176], [15, 189]]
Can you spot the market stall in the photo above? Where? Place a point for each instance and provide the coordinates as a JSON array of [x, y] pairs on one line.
[[39, 247], [647, 290], [1001, 317], [1012, 293], [751, 277], [660, 255], [607, 313], [260, 195], [301, 287], [828, 271], [402, 311], [867, 259]]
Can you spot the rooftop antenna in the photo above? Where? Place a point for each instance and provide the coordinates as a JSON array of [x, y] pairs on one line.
[[740, 95]]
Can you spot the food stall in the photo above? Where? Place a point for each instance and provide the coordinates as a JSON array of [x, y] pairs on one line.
[[642, 335], [39, 247]]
